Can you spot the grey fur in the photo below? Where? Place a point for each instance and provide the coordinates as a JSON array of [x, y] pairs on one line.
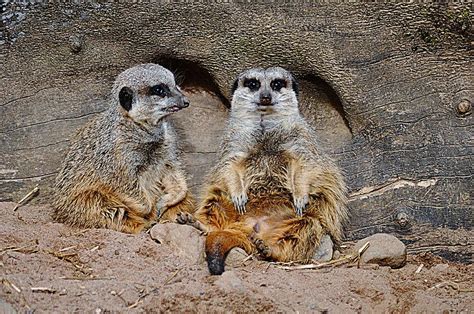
[[131, 155]]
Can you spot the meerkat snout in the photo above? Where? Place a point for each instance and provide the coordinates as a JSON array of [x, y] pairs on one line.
[[265, 99]]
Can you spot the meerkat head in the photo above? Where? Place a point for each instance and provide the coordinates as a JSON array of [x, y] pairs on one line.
[[147, 93], [266, 91]]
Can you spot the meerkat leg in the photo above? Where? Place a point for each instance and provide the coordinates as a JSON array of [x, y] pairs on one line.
[[298, 184], [175, 189], [291, 240], [185, 207], [105, 209], [185, 218], [235, 178]]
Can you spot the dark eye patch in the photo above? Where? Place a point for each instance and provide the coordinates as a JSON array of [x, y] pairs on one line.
[[126, 98], [277, 84], [161, 90], [253, 84]]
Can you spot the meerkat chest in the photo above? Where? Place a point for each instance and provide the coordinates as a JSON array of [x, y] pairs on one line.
[[266, 166], [152, 165]]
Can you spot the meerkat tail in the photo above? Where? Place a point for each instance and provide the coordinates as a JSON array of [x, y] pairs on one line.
[[218, 245]]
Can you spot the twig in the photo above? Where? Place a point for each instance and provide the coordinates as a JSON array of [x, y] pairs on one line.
[[95, 248], [451, 284], [68, 257], [167, 281], [119, 295], [355, 257], [27, 197], [10, 284], [417, 271], [251, 256], [7, 282], [22, 249], [361, 251], [68, 248], [87, 278], [140, 298], [43, 289]]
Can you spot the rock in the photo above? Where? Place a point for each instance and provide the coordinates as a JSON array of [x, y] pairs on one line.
[[229, 282], [336, 254], [6, 308], [236, 257], [440, 268], [186, 240], [325, 250], [384, 250]]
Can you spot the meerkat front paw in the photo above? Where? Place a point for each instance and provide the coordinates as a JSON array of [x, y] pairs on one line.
[[300, 204], [161, 208], [185, 218], [240, 201], [262, 249]]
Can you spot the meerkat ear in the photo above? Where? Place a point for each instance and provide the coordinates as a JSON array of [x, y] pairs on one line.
[[234, 86], [294, 85], [126, 98]]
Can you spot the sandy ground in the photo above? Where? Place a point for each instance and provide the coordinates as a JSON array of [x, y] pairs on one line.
[[49, 267]]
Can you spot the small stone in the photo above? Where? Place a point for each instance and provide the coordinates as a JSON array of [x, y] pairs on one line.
[[384, 250], [336, 254], [236, 257], [403, 220], [186, 240], [6, 307], [464, 107], [75, 43], [229, 282], [325, 250], [441, 268]]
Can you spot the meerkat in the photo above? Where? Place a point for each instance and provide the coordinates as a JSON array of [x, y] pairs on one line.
[[273, 191], [123, 170]]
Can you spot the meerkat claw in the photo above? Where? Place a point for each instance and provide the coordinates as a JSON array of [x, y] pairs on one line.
[[261, 247], [300, 204], [239, 203], [185, 218]]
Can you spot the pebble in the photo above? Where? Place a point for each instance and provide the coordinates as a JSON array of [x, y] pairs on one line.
[[186, 240], [230, 282], [440, 268], [6, 308], [236, 257], [325, 250], [384, 250]]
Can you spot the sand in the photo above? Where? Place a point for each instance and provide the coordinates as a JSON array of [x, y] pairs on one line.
[[50, 267]]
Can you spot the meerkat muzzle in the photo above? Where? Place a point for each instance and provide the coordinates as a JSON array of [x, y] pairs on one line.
[[265, 99], [181, 104]]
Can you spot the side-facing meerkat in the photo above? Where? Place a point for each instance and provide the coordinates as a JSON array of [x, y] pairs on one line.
[[123, 171], [273, 191]]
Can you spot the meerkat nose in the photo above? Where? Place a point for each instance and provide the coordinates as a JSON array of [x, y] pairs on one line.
[[185, 103], [265, 99]]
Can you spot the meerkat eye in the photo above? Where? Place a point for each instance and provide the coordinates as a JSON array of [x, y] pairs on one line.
[[252, 84], [159, 90], [278, 84]]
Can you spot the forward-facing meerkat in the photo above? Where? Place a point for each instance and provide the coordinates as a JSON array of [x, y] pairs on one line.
[[273, 191], [123, 171]]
